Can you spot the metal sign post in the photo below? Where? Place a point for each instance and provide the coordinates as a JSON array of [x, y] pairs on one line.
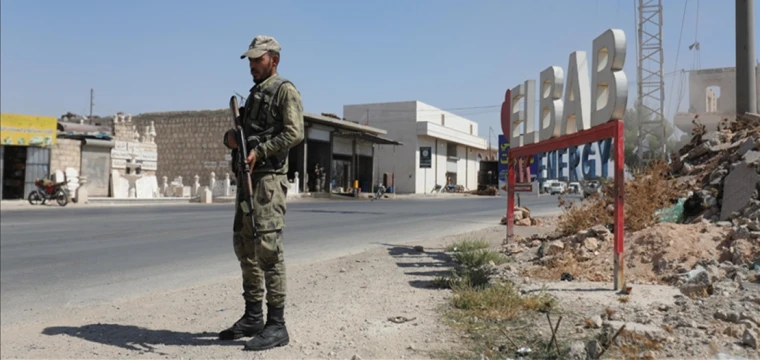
[[426, 162]]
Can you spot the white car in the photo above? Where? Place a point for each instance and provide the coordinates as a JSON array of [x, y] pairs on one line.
[[554, 187]]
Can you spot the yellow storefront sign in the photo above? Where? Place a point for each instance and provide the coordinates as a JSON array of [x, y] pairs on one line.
[[28, 130]]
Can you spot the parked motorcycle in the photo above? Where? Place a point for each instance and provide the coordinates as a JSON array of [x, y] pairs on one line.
[[48, 190]]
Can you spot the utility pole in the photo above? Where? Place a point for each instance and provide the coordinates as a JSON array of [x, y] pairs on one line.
[[746, 78], [92, 102], [651, 83]]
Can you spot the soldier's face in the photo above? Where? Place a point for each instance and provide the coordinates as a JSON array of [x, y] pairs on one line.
[[262, 67]]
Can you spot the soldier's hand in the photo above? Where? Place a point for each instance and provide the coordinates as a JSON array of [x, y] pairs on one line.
[[251, 159]]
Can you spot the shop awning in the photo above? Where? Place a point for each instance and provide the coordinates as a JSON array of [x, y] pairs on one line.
[[375, 139]]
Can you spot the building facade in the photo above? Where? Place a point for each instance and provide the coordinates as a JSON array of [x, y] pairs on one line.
[[25, 149], [334, 155], [453, 141], [712, 97]]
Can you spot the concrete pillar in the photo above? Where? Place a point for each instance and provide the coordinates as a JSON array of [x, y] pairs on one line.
[[374, 173], [354, 163], [330, 169], [746, 87], [82, 190]]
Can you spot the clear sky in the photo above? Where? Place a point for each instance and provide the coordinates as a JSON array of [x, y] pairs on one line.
[[164, 55]]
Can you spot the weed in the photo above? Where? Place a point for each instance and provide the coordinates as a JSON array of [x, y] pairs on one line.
[[651, 189], [478, 258], [624, 299], [474, 261], [636, 346], [589, 324], [468, 245], [482, 307], [474, 277], [609, 312]]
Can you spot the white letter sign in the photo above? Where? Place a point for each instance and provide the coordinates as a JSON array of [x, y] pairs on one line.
[[589, 100], [577, 95], [610, 89], [552, 81]]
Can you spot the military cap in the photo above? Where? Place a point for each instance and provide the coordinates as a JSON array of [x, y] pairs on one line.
[[260, 45]]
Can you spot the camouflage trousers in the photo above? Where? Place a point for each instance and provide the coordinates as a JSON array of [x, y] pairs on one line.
[[261, 258]]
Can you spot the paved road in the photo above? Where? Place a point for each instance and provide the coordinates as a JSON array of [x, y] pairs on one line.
[[55, 257]]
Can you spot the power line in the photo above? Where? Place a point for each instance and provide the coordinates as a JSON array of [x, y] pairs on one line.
[[678, 52]]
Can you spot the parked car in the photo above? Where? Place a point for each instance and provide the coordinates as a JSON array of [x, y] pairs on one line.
[[591, 187], [554, 187], [574, 188]]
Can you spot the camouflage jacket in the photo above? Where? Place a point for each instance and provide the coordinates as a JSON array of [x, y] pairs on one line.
[[273, 115]]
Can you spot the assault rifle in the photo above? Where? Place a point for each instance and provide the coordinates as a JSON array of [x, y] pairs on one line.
[[244, 170]]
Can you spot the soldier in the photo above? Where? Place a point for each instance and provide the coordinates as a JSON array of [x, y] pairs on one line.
[[273, 114]]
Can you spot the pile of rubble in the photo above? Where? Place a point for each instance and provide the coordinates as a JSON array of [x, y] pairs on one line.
[[522, 218], [714, 272], [722, 170], [706, 247]]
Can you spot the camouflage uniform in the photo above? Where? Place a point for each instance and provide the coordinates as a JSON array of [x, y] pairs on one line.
[[273, 114]]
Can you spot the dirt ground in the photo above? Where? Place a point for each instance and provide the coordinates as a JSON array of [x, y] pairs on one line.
[[686, 300], [336, 309]]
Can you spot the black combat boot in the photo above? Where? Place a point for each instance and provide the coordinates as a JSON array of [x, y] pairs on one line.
[[250, 324], [274, 334]]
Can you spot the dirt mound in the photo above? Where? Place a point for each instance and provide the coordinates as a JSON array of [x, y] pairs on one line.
[[651, 255]]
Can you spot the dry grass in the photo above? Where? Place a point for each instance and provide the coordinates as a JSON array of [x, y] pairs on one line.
[[630, 345], [650, 190], [484, 307], [609, 312], [468, 245], [500, 301], [623, 299], [637, 346], [589, 324]]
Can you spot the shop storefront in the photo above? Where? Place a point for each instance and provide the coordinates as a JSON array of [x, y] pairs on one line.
[[25, 142]]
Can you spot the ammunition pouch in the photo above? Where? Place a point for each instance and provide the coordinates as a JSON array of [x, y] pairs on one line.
[[275, 162]]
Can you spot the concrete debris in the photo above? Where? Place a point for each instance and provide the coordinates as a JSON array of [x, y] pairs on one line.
[[522, 218], [722, 171], [708, 259], [750, 338], [714, 268]]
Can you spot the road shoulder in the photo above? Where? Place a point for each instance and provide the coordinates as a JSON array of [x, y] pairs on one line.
[[376, 304]]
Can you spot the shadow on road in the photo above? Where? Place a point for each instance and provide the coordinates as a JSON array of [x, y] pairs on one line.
[[339, 212], [136, 338], [409, 257]]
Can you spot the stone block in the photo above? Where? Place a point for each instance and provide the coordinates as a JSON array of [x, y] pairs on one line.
[[738, 188], [748, 145], [206, 196], [752, 158]]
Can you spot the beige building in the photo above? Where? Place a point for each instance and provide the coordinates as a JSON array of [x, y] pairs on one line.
[[712, 97], [189, 143]]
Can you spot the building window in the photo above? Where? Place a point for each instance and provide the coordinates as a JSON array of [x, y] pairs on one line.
[[451, 150]]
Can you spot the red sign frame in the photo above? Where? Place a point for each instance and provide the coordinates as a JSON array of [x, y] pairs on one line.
[[614, 130]]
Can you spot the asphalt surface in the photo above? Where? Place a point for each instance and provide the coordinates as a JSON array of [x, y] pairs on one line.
[[77, 256]]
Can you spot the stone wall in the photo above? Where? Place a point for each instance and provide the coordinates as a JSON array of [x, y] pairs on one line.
[[190, 143], [64, 154]]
